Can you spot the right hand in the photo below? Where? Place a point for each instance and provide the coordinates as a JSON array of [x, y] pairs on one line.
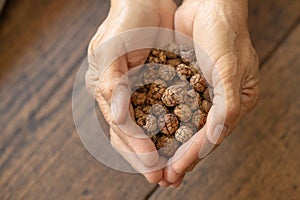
[[219, 28], [125, 15]]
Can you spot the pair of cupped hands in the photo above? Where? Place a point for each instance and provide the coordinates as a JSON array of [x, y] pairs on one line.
[[220, 28]]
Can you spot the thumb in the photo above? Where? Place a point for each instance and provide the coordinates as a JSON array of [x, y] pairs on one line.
[[224, 113], [215, 52]]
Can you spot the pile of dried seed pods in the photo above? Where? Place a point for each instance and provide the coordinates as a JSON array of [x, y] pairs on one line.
[[171, 100]]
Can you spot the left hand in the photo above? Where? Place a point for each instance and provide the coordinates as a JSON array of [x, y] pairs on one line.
[[125, 15], [220, 28]]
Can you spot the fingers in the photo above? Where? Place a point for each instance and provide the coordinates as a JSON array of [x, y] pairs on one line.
[[184, 157], [153, 174], [219, 61], [138, 142], [188, 153], [191, 168], [223, 115], [188, 156], [183, 21], [168, 8], [178, 182], [163, 183]]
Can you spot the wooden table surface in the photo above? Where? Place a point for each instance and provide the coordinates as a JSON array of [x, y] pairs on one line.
[[42, 43]]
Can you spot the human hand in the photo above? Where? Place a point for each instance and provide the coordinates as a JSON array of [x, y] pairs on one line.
[[125, 15], [220, 28]]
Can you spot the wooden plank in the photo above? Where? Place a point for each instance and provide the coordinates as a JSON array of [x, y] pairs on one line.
[[261, 159], [269, 23], [42, 43]]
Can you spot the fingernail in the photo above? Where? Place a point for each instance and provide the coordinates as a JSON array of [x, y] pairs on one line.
[[219, 133]]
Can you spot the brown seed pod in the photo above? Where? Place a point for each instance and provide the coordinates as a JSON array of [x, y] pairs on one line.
[[148, 123], [158, 110], [150, 101], [142, 111], [198, 82], [167, 72], [153, 59], [190, 125], [184, 71], [139, 96], [158, 56], [207, 94], [171, 55], [206, 105], [196, 67], [174, 95], [153, 137], [183, 134], [174, 62], [183, 112], [155, 52], [192, 99], [173, 47], [199, 119], [162, 57], [168, 123], [156, 90], [150, 73], [183, 83], [167, 145], [187, 54], [167, 83]]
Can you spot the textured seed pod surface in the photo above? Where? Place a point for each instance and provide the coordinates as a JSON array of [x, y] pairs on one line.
[[199, 119], [158, 110], [168, 123], [170, 97], [183, 112], [174, 95], [167, 145], [149, 123], [183, 134], [167, 72], [185, 71], [198, 82]]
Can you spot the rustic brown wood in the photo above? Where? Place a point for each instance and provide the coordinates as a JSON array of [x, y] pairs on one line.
[[42, 43], [270, 22], [261, 159]]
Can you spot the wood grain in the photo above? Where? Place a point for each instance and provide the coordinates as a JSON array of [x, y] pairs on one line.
[[270, 22], [42, 43], [261, 159]]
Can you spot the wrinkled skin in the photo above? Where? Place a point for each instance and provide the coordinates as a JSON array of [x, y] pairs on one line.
[[220, 29], [125, 15]]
